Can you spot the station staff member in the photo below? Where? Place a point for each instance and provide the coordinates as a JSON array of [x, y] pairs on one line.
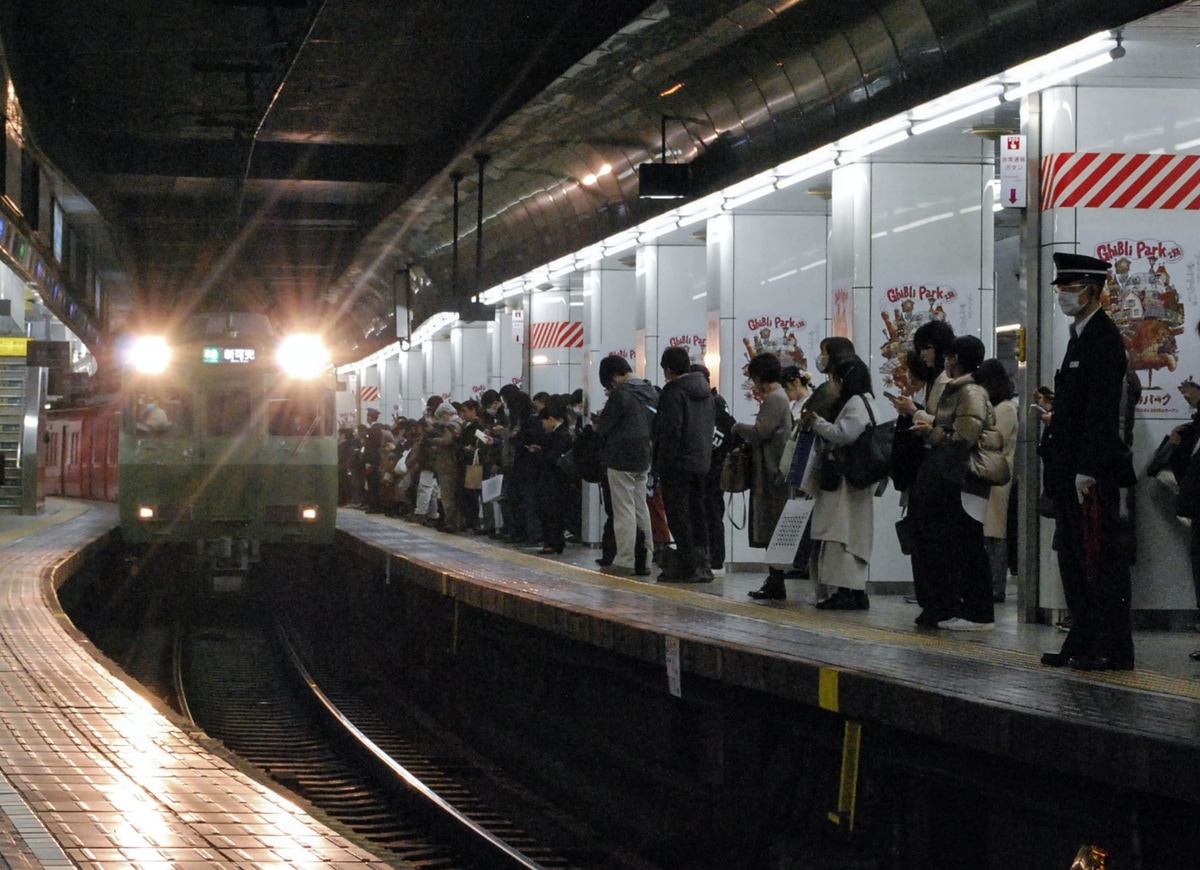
[[1086, 465]]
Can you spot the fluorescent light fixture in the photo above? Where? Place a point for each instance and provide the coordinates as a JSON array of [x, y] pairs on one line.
[[431, 327], [700, 210], [656, 227], [621, 242], [1009, 327], [1058, 76], [868, 137], [956, 115], [749, 196], [823, 164], [540, 360], [879, 145]]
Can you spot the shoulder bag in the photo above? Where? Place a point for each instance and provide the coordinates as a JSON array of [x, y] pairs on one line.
[[735, 470], [869, 458]]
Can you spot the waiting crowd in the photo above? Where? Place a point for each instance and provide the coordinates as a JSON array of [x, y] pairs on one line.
[[658, 455], [510, 466]]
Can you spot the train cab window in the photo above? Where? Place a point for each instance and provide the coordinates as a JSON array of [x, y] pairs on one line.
[[162, 415], [298, 413], [228, 413]]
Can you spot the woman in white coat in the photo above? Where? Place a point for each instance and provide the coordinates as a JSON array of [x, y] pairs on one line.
[[843, 518]]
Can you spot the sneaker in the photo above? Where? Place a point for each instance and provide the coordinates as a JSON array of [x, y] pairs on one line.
[[960, 624], [617, 570]]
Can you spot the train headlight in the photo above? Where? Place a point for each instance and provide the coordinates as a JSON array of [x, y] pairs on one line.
[[303, 356], [150, 354], [308, 514], [145, 512]]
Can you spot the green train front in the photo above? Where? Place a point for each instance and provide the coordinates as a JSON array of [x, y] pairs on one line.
[[228, 440]]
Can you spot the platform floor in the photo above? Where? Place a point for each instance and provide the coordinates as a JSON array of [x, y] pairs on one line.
[[1163, 653], [983, 691], [92, 774]]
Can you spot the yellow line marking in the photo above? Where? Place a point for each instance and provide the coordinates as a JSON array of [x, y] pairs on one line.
[[827, 690]]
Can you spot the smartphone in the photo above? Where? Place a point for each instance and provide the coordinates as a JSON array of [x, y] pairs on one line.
[[1037, 409], [889, 395]]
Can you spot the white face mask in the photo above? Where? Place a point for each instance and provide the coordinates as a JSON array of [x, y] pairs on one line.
[[1068, 302]]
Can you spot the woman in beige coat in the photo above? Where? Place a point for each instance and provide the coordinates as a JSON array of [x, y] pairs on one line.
[[767, 436], [993, 377], [843, 518]]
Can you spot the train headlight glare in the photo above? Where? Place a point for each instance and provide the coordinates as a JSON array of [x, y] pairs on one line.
[[303, 356], [308, 514], [150, 354], [145, 513]]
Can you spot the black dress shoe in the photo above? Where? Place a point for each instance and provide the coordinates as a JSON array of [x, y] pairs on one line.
[[1055, 660], [768, 593], [929, 618], [1194, 656], [604, 563], [1100, 663], [845, 599]]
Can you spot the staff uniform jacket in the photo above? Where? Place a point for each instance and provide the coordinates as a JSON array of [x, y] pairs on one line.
[[847, 514], [1085, 430], [624, 425], [683, 426], [767, 436]]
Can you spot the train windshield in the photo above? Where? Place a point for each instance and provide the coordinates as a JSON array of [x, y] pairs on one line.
[[163, 414], [228, 413], [301, 412]]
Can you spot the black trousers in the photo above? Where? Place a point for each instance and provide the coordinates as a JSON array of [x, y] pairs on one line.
[[684, 496], [951, 572], [1098, 594]]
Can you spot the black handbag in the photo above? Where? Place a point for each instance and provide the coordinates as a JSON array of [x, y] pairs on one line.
[[1163, 458], [906, 534], [869, 458]]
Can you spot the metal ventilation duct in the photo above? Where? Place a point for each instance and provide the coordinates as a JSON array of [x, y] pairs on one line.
[[759, 82]]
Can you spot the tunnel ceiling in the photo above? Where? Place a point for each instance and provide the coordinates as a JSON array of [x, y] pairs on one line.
[[292, 156]]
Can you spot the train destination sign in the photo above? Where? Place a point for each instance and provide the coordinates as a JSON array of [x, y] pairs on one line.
[[217, 355]]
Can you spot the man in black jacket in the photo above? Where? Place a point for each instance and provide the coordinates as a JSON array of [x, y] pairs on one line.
[[683, 440], [1086, 465]]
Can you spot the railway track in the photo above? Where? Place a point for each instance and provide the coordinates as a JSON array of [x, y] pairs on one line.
[[242, 683]]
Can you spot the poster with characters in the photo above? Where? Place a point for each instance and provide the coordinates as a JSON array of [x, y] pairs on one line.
[[1143, 298], [788, 337], [903, 309]]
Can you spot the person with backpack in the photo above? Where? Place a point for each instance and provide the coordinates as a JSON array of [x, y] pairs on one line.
[[623, 427]]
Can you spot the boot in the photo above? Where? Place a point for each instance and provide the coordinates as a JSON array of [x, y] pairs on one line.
[[672, 565], [702, 568], [773, 588]]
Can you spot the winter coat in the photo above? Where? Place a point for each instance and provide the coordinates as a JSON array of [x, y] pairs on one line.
[[767, 436], [995, 525], [963, 416], [847, 514], [683, 426], [624, 425]]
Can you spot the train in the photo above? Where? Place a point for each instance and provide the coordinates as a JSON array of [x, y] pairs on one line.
[[227, 443]]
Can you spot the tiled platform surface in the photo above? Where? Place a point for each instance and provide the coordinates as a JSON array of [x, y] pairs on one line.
[[93, 775], [983, 691]]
